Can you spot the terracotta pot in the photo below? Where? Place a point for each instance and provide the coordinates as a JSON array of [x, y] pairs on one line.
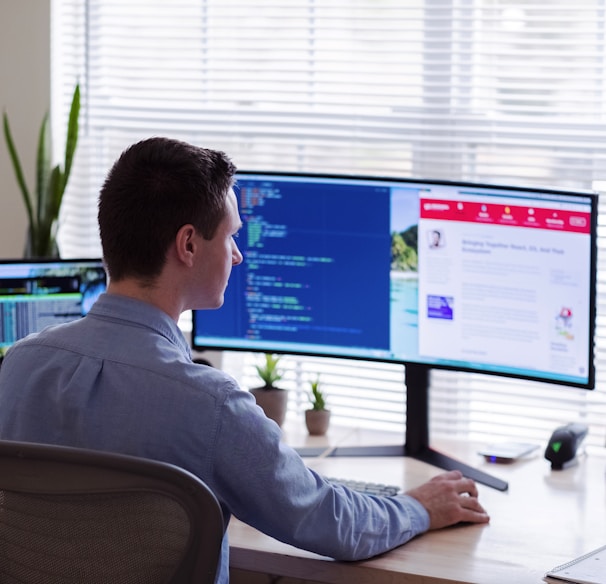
[[317, 421], [273, 402]]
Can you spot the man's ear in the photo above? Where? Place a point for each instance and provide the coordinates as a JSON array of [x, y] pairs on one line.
[[185, 244]]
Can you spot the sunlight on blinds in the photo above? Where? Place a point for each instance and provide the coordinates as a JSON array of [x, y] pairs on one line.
[[490, 91]]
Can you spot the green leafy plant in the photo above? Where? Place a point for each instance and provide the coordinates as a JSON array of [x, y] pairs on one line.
[[269, 372], [316, 397], [43, 204]]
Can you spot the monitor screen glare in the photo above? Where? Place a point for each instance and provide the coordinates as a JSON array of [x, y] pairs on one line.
[[455, 275]]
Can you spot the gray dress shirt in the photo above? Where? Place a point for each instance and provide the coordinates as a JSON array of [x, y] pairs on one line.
[[121, 379]]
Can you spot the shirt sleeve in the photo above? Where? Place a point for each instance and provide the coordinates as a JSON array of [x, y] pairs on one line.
[[266, 484]]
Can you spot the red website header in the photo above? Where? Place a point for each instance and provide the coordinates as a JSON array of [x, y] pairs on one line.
[[511, 215]]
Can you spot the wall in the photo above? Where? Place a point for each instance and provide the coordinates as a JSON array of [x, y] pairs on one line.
[[25, 95]]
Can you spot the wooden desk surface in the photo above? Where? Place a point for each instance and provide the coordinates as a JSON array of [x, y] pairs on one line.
[[546, 518]]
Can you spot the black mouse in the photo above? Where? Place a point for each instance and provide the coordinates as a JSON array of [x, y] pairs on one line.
[[564, 444]]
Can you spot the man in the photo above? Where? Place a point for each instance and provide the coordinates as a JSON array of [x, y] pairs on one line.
[[122, 379]]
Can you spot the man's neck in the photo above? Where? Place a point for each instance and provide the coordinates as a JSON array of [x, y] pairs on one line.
[[152, 294]]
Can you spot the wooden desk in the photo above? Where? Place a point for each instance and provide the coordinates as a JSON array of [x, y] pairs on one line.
[[545, 518]]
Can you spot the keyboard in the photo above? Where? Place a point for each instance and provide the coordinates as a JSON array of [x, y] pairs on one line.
[[367, 487]]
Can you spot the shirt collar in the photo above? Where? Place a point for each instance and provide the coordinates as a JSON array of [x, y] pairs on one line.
[[142, 314]]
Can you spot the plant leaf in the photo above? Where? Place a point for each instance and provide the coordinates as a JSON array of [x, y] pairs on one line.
[[71, 140], [53, 196], [18, 170], [43, 239], [43, 161]]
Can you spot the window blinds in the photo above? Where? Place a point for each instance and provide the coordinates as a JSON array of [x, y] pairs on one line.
[[484, 90]]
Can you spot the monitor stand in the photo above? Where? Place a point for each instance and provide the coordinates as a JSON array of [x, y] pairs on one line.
[[417, 435]]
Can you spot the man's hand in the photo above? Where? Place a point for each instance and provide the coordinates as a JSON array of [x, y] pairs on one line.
[[450, 498]]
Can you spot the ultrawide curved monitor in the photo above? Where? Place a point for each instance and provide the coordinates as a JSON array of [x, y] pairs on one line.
[[485, 278]]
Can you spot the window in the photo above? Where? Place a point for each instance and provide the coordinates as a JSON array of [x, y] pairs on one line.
[[491, 90]]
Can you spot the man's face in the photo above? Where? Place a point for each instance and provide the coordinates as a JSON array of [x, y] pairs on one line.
[[217, 257]]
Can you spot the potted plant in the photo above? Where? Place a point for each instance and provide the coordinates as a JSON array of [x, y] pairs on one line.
[[272, 399], [317, 418], [43, 204]]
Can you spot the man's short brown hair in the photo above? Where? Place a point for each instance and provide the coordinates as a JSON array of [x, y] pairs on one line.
[[154, 188]]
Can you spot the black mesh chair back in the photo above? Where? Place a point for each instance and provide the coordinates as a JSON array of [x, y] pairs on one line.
[[73, 516]]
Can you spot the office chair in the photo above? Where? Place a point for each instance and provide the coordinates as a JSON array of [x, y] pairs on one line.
[[77, 516]]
